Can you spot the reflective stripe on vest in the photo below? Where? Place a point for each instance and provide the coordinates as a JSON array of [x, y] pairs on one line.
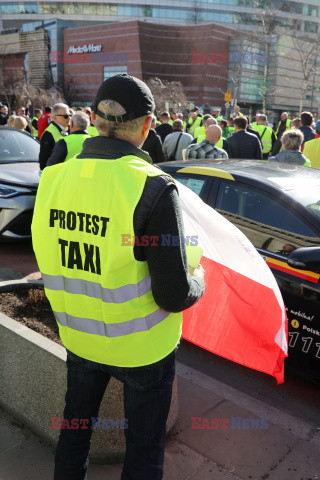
[[94, 289], [100, 294], [93, 132], [55, 132], [98, 327], [74, 143], [266, 137], [231, 131]]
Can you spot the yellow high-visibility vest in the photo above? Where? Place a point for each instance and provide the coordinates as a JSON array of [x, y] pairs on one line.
[[55, 132], [93, 132], [288, 126], [265, 136], [312, 152], [74, 143], [100, 294]]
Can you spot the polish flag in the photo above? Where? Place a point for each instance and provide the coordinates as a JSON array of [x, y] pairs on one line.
[[241, 315]]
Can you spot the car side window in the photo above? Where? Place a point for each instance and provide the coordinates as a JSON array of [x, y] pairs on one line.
[[264, 221], [195, 184]]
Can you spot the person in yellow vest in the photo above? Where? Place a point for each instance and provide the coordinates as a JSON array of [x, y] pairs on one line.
[[56, 130], [221, 142], [216, 114], [173, 118], [93, 132], [311, 149], [231, 127], [291, 153], [34, 122], [254, 124], [68, 147], [283, 125], [267, 136], [194, 121], [236, 112], [199, 131], [110, 279]]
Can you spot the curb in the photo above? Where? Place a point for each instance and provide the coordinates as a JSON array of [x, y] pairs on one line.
[[9, 285]]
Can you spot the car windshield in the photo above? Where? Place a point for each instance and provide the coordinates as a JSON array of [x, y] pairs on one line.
[[17, 147], [309, 198]]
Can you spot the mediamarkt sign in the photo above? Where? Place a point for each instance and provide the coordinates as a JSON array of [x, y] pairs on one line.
[[84, 49]]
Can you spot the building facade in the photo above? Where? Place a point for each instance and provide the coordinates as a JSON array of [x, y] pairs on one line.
[[196, 56], [204, 50], [240, 14]]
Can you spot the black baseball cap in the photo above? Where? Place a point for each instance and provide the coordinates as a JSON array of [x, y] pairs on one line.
[[130, 92]]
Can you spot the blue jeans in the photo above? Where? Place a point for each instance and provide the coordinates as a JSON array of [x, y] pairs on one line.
[[147, 396]]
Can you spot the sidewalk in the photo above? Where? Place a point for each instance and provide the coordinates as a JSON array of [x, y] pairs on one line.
[[287, 449], [253, 441]]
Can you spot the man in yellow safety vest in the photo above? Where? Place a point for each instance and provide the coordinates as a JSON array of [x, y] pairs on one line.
[[283, 125], [56, 130], [267, 136], [68, 147], [97, 230]]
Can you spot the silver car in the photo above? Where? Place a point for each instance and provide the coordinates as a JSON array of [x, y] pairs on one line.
[[19, 178]]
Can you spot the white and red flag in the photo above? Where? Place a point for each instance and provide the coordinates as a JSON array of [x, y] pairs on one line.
[[241, 315]]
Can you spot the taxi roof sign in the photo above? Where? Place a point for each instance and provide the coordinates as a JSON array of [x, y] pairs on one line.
[[228, 96]]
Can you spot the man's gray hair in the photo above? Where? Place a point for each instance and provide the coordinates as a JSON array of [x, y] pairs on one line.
[[57, 107], [125, 130], [80, 120], [292, 139]]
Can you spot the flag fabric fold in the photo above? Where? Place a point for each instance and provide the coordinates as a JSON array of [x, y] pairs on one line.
[[241, 315]]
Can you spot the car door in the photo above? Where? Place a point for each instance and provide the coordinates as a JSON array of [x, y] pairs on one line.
[[275, 229]]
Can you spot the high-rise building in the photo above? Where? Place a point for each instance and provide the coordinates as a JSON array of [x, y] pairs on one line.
[[230, 13], [261, 64]]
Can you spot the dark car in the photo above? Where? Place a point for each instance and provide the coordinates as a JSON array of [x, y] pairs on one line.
[[278, 208], [19, 178]]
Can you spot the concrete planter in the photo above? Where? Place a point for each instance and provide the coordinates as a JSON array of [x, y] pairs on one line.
[[33, 385]]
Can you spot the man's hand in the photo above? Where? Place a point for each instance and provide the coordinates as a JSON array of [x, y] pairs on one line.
[[199, 271]]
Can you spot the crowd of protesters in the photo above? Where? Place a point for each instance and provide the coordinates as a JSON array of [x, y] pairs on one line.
[[172, 137]]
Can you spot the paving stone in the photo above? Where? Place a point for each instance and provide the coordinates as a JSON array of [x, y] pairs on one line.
[[10, 435], [30, 460], [213, 472], [104, 472], [194, 401], [302, 463], [244, 451], [180, 461]]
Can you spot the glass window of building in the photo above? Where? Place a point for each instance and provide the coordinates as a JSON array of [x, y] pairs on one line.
[[112, 70]]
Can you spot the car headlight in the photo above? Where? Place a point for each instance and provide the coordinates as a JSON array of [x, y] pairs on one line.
[[7, 192]]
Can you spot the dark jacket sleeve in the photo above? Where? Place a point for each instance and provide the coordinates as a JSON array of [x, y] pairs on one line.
[[226, 147], [159, 213], [59, 153], [172, 286], [158, 150], [273, 139], [47, 144], [34, 123], [258, 151]]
